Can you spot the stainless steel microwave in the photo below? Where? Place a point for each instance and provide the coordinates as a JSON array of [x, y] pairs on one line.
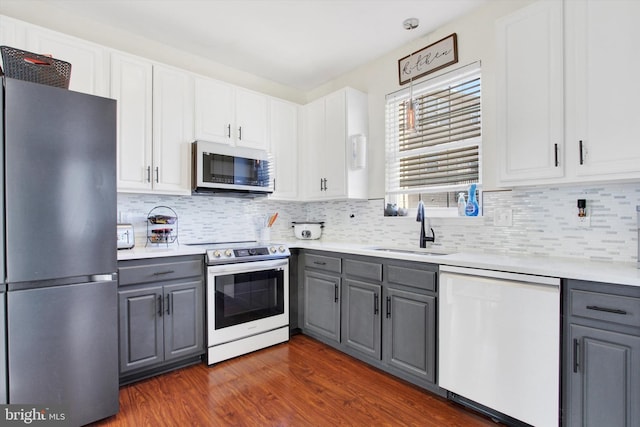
[[221, 168]]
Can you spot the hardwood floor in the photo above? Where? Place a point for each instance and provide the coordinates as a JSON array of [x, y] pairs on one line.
[[300, 383]]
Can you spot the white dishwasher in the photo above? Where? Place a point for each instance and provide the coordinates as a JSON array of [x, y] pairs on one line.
[[499, 341]]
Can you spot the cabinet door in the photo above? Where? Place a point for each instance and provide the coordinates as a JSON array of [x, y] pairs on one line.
[[183, 319], [89, 62], [604, 378], [530, 107], [314, 147], [172, 130], [604, 87], [361, 321], [141, 329], [409, 333], [333, 151], [214, 109], [251, 119], [284, 148], [322, 305], [131, 86]]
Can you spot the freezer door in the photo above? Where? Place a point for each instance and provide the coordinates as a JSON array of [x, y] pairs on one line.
[[60, 169], [67, 354]]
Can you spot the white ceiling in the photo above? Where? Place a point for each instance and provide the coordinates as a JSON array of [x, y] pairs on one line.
[[298, 43]]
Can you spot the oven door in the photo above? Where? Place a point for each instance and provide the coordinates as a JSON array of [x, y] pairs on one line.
[[246, 299]]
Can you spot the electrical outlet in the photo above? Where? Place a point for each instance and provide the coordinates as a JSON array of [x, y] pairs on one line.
[[503, 217], [583, 221]]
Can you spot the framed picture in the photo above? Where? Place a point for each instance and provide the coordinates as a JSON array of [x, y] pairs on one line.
[[437, 55]]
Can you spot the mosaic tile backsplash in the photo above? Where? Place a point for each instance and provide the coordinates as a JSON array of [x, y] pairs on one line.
[[544, 221]]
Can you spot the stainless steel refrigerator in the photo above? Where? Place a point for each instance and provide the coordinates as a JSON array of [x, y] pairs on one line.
[[59, 243]]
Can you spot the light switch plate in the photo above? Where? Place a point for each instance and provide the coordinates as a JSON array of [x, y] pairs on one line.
[[503, 217]]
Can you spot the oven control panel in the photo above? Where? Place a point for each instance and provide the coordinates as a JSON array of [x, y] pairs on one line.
[[242, 254]]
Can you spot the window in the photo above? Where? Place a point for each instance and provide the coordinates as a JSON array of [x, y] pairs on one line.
[[442, 156]]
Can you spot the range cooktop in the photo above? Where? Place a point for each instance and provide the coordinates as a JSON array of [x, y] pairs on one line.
[[242, 251]]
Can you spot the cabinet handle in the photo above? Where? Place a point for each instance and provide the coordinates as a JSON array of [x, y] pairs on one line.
[[576, 350], [555, 153], [148, 173], [325, 184], [320, 184], [376, 310], [240, 133], [335, 293], [581, 153], [388, 315], [160, 273], [274, 184], [229, 131], [160, 305], [605, 309], [169, 302], [157, 174], [319, 263]]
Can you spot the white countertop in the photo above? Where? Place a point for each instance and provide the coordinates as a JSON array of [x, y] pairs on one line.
[[619, 273]]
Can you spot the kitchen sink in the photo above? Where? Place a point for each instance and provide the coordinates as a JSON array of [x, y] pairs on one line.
[[409, 251]]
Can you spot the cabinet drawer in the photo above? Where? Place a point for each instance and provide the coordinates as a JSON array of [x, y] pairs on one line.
[[363, 269], [322, 262], [610, 308], [159, 271], [408, 276]]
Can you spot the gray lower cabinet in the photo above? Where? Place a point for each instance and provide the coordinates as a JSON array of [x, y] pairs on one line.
[[379, 310], [602, 355], [409, 331], [161, 314], [361, 320], [322, 305]]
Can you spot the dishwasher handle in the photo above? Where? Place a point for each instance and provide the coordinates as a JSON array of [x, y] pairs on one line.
[[495, 274]]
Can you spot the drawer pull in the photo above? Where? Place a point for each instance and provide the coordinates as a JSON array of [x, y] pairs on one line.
[[319, 263], [606, 310], [161, 273]]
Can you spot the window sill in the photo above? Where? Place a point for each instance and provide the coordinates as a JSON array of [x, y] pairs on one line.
[[436, 213]]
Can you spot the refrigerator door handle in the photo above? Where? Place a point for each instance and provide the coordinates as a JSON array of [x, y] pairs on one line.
[[102, 277]]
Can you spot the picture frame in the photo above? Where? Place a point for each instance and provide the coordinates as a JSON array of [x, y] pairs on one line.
[[431, 58]]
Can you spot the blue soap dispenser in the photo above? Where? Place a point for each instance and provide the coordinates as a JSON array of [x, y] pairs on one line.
[[472, 204]]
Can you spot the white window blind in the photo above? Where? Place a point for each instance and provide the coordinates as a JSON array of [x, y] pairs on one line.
[[443, 154]]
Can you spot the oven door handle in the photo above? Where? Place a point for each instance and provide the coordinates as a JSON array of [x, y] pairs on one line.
[[247, 267]]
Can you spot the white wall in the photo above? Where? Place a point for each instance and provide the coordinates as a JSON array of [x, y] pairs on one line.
[[476, 42], [45, 14]]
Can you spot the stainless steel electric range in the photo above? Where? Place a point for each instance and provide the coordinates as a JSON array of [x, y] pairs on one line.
[[247, 290]]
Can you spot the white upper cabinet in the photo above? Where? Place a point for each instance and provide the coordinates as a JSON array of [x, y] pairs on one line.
[[172, 129], [230, 115], [214, 110], [89, 62], [603, 88], [132, 87], [251, 119], [155, 125], [284, 148], [588, 130], [329, 125], [530, 98]]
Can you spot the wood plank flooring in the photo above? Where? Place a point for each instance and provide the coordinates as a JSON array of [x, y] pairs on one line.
[[300, 383]]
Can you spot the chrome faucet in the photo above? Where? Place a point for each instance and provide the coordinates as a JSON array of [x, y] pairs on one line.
[[423, 235]]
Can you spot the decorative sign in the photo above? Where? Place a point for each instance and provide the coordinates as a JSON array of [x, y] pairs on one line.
[[437, 55]]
